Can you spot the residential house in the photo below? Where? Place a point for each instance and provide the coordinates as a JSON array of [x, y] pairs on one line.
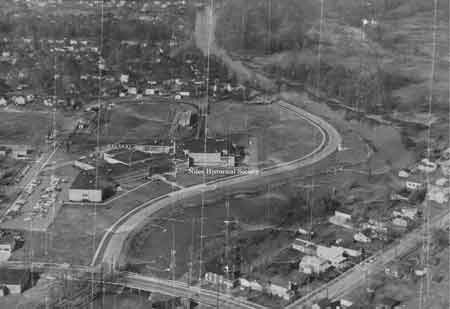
[[3, 101], [218, 279], [19, 100], [409, 213], [400, 222], [279, 291], [4, 151], [313, 265], [304, 246], [414, 185], [132, 90], [341, 219], [7, 245], [21, 152], [335, 255], [124, 78], [426, 166], [150, 91], [15, 280], [374, 225], [388, 303], [438, 194], [403, 174], [251, 285], [360, 237], [304, 232]]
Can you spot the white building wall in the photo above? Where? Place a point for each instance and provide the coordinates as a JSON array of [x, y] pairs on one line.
[[79, 195], [206, 159], [14, 288]]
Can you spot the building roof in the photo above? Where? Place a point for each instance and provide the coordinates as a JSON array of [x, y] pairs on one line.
[[309, 260], [86, 180], [7, 239], [389, 301], [13, 276], [212, 145]]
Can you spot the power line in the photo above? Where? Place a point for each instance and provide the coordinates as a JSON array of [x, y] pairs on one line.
[[205, 137], [97, 151], [425, 282]]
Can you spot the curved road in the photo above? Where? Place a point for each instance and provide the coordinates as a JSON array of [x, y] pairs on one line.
[[111, 245]]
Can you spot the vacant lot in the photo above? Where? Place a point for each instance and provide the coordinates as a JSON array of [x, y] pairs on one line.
[[281, 136], [24, 127], [133, 122]]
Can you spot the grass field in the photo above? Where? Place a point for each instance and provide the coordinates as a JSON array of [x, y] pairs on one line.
[[280, 135], [24, 128], [142, 122]]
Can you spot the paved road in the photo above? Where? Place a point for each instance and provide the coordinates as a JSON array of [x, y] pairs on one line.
[[180, 289], [47, 266], [110, 247]]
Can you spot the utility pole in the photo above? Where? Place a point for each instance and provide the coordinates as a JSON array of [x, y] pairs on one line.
[[173, 253], [227, 239]]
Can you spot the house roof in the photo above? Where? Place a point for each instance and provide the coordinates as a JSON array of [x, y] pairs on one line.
[[389, 301], [7, 239], [13, 276]]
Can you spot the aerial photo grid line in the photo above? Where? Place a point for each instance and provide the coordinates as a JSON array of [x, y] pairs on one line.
[[224, 154]]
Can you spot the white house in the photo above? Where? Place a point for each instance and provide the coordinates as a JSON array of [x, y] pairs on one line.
[[360, 237], [427, 166], [150, 91], [280, 291], [332, 254], [304, 232], [400, 222], [132, 90], [413, 185], [252, 285], [185, 94], [313, 265], [3, 102], [217, 279], [341, 219], [409, 213], [304, 246], [403, 174], [19, 100], [124, 78], [438, 194]]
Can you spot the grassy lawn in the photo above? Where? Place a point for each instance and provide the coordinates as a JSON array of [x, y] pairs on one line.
[[24, 128], [280, 135]]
